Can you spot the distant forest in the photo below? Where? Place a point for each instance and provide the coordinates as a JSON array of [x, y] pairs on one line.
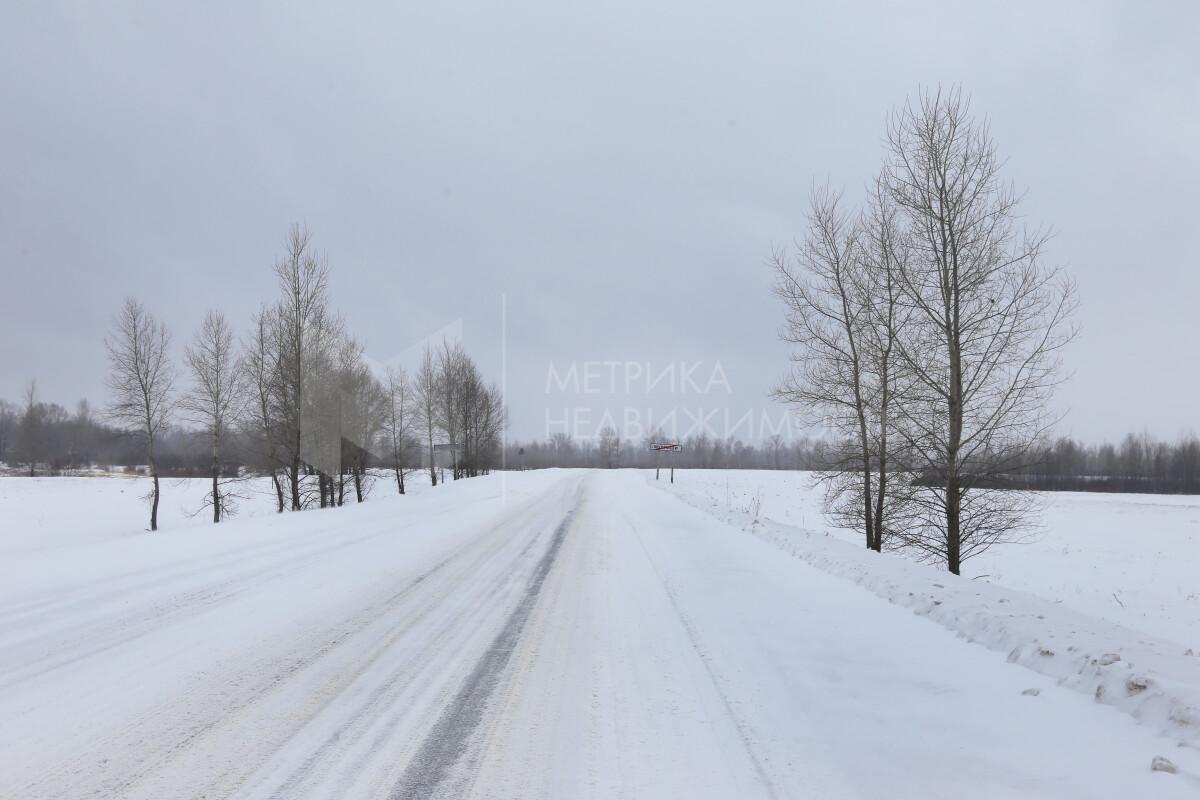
[[47, 439], [1139, 463]]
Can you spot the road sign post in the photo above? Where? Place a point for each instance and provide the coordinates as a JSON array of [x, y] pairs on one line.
[[664, 447]]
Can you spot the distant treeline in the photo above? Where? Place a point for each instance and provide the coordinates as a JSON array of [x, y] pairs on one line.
[[56, 441], [699, 452], [48, 440], [44, 438], [1139, 463]]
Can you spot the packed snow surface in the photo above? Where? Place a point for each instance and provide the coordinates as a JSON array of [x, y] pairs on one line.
[[552, 634]]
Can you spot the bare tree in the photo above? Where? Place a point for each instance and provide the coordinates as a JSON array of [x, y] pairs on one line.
[[81, 436], [303, 281], [31, 444], [260, 367], [452, 377], [399, 421], [988, 322], [426, 390], [884, 252], [217, 396], [323, 415], [363, 416], [487, 430], [8, 426], [609, 446], [141, 380], [841, 301]]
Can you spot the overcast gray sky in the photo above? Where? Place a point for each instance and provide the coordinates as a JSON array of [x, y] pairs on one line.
[[618, 171]]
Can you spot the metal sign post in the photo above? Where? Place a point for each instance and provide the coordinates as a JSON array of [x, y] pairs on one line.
[[449, 455], [664, 447]]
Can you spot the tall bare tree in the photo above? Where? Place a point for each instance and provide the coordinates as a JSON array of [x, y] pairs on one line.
[[399, 421], [31, 444], [840, 296], [217, 396], [323, 411], [452, 379], [141, 379], [363, 415], [883, 253], [303, 281], [260, 367], [426, 391], [988, 321]]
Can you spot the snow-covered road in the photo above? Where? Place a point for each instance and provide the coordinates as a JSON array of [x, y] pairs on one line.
[[536, 635]]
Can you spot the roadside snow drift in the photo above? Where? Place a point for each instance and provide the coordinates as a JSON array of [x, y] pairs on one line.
[[1154, 679]]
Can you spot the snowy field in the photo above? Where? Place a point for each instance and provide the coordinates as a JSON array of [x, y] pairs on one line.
[[551, 634], [53, 512]]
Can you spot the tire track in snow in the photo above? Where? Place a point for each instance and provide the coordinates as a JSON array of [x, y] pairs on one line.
[[93, 636], [689, 628], [97, 591], [375, 709], [448, 741]]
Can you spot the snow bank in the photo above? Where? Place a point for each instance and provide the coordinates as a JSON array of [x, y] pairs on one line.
[[1155, 680], [1130, 559]]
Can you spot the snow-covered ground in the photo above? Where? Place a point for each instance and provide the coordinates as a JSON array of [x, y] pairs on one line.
[[1132, 559], [52, 512], [1102, 655], [552, 634]]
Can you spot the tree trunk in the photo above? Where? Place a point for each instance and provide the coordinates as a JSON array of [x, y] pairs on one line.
[[877, 545], [216, 490], [953, 479], [432, 461], [882, 458], [154, 499], [278, 491], [295, 476], [953, 536]]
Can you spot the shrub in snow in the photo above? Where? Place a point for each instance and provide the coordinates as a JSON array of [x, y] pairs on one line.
[[1136, 683], [1160, 764]]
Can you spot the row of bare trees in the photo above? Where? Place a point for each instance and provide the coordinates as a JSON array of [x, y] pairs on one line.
[[455, 403], [929, 331], [300, 393]]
